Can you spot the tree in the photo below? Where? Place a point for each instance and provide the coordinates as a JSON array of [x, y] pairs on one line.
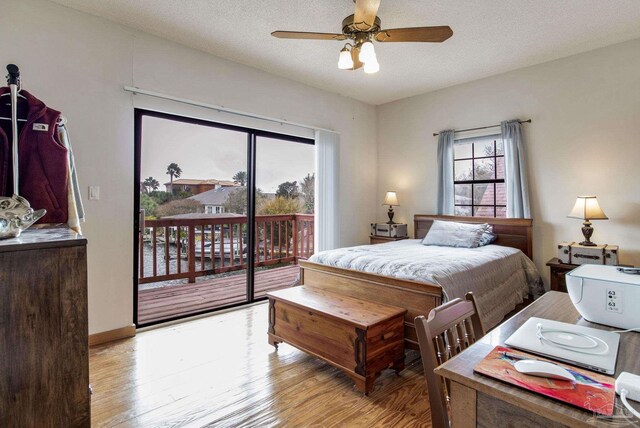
[[161, 197], [179, 206], [173, 170], [307, 189], [288, 189], [280, 205], [240, 177], [149, 184], [149, 205], [237, 201]]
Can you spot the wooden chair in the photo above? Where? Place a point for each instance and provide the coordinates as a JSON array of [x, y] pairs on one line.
[[450, 329]]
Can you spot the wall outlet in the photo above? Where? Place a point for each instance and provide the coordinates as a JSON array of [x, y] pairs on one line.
[[94, 193]]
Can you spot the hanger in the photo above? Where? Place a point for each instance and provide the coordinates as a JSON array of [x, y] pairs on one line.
[[19, 96]]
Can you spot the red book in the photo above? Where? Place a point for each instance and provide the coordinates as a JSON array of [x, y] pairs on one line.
[[590, 391]]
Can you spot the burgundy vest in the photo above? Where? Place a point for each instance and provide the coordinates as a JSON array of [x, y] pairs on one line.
[[43, 160]]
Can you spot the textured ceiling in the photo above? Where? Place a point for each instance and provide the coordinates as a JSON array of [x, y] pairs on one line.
[[490, 36]]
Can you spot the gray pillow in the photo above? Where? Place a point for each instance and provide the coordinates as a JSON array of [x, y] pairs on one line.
[[454, 234]]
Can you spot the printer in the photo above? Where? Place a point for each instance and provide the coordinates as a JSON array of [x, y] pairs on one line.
[[606, 294]]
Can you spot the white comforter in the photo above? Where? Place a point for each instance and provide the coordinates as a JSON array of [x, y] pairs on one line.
[[498, 276]]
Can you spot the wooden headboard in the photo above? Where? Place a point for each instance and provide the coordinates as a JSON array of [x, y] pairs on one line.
[[512, 232]]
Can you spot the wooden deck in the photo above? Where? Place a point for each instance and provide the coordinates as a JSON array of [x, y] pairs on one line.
[[178, 300]]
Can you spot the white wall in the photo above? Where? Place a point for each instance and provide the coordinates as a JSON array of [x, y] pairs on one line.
[[78, 64], [584, 139]]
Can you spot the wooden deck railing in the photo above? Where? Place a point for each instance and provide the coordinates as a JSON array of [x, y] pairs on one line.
[[218, 245]]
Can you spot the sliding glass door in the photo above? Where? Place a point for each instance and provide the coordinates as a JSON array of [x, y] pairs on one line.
[[284, 204], [222, 215]]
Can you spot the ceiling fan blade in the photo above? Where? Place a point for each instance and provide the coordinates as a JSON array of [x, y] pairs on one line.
[[365, 14], [416, 34], [308, 36]]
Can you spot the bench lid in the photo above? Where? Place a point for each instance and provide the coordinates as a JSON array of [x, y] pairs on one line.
[[361, 313]]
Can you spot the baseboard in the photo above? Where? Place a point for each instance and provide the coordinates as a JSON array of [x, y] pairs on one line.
[[111, 335]]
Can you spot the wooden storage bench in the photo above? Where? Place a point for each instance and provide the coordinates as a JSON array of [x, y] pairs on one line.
[[359, 337]]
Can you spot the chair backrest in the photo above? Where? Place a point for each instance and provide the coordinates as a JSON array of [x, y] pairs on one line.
[[450, 329]]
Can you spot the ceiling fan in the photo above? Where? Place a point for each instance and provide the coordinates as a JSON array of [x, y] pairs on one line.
[[362, 28]]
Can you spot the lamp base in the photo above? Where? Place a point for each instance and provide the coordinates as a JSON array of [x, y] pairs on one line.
[[588, 244], [390, 214], [587, 231]]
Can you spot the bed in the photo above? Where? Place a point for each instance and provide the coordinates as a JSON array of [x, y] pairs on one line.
[[498, 288]]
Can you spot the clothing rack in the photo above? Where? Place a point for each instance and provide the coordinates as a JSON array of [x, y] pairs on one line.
[[435, 134], [13, 81]]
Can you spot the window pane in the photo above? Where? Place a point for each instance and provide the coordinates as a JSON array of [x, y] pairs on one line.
[[483, 194], [501, 212], [500, 167], [462, 150], [462, 194], [483, 211], [483, 148], [499, 147], [501, 194], [462, 170], [465, 211], [484, 169]]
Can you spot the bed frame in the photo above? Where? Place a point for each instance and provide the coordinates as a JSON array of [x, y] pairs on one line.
[[417, 297]]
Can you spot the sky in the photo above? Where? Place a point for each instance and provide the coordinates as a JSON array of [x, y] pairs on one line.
[[203, 152]]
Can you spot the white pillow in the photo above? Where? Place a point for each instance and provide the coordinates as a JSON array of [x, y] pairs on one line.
[[454, 234]]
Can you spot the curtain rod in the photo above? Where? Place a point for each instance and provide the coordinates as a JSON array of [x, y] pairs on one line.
[[136, 90], [482, 127]]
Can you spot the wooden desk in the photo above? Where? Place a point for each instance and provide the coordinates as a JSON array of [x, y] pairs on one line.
[[477, 400]]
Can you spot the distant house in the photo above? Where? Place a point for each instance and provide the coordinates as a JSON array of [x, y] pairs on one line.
[[214, 199], [197, 186]]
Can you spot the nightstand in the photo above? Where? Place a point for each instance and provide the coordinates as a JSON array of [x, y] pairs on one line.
[[558, 270], [383, 239]]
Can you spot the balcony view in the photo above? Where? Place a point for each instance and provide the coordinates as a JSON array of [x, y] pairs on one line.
[[194, 249]]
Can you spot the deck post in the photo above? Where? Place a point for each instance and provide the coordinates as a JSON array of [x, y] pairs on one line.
[[191, 255], [294, 226]]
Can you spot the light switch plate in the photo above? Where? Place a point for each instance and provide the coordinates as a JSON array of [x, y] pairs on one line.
[[94, 193]]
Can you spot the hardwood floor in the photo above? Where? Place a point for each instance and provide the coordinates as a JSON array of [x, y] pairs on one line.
[[219, 371], [178, 300]]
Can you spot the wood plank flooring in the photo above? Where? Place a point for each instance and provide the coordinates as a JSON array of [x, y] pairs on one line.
[[219, 371], [177, 300]]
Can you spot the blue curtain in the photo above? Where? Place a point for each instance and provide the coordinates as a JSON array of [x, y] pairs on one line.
[[445, 203], [515, 159]]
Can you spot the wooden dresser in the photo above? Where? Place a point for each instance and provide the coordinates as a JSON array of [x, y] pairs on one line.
[[44, 355]]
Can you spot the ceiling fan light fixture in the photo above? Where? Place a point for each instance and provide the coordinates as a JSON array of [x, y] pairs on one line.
[[344, 61], [367, 52], [371, 67]]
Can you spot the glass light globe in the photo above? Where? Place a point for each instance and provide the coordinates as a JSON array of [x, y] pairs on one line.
[[371, 66], [345, 62], [367, 52]]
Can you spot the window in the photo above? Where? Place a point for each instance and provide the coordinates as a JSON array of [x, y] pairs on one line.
[[479, 177]]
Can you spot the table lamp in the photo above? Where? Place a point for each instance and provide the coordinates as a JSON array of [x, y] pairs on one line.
[[391, 199], [587, 208]]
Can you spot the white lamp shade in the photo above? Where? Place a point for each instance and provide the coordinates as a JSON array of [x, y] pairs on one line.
[[587, 208], [345, 62], [391, 199], [367, 52], [371, 67]]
